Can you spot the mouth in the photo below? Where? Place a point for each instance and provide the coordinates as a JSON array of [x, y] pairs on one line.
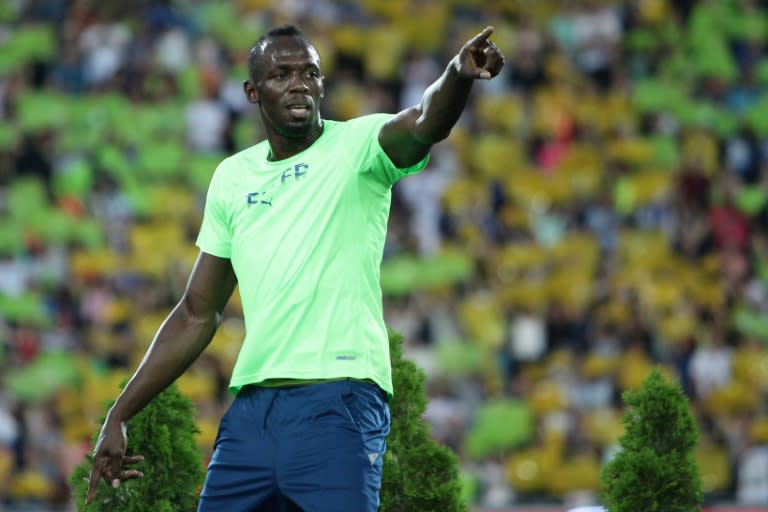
[[300, 110]]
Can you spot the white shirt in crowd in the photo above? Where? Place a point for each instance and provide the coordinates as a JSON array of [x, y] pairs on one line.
[[710, 368]]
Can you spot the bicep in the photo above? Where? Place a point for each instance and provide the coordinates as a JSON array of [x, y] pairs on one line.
[[210, 285], [399, 140]]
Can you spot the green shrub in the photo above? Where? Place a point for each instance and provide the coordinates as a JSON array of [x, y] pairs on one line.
[[164, 432], [420, 475], [655, 469]]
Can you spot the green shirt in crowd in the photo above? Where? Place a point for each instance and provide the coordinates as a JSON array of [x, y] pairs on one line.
[[306, 236]]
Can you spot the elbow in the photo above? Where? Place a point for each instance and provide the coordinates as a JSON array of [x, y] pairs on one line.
[[435, 136], [429, 133], [198, 316]]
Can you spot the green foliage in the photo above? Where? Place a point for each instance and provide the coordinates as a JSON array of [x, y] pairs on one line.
[[655, 469], [164, 432], [419, 473]]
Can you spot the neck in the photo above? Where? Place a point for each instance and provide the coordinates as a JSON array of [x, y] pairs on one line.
[[282, 147]]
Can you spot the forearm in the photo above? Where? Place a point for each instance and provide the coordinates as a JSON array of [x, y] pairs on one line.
[[442, 105], [177, 344], [409, 135]]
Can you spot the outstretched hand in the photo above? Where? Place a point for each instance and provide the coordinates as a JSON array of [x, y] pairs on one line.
[[109, 459], [479, 57]]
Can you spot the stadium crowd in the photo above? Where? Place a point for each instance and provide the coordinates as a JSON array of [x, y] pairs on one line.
[[601, 209]]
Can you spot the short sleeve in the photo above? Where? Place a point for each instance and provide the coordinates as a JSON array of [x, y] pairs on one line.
[[375, 160], [215, 236]]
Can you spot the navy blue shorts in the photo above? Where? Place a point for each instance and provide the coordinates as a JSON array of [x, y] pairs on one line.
[[315, 448]]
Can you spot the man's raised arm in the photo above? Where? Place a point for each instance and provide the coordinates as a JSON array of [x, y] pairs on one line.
[[407, 138]]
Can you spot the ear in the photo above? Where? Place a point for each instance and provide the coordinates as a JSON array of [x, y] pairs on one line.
[[249, 88]]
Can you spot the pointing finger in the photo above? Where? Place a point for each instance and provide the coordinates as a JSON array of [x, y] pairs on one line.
[[481, 38]]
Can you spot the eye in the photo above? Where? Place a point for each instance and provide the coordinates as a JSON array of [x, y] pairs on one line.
[[279, 76], [313, 73]]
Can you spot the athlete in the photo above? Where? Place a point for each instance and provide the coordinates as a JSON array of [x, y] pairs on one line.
[[298, 222]]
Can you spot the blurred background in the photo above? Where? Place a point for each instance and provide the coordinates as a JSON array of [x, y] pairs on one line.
[[600, 209]]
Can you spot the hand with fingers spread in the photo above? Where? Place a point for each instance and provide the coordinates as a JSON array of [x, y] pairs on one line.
[[479, 57], [109, 459]]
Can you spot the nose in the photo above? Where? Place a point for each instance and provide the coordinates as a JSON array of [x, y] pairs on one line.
[[298, 83]]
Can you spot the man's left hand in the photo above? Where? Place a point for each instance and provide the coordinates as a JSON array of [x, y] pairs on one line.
[[479, 58]]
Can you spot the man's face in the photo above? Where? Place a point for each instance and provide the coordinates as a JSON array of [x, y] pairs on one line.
[[287, 85]]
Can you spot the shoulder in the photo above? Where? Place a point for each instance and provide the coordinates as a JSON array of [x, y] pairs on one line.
[[233, 165], [361, 128], [369, 120]]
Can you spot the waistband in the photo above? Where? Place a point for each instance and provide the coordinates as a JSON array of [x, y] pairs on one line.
[[292, 383]]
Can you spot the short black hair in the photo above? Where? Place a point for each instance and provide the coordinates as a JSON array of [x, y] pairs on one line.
[[258, 46]]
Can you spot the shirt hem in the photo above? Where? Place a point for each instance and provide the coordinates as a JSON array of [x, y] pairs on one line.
[[236, 384], [215, 251]]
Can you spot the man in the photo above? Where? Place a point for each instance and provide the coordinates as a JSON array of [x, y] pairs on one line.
[[299, 222]]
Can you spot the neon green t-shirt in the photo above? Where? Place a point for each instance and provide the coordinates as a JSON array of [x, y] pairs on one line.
[[305, 236]]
